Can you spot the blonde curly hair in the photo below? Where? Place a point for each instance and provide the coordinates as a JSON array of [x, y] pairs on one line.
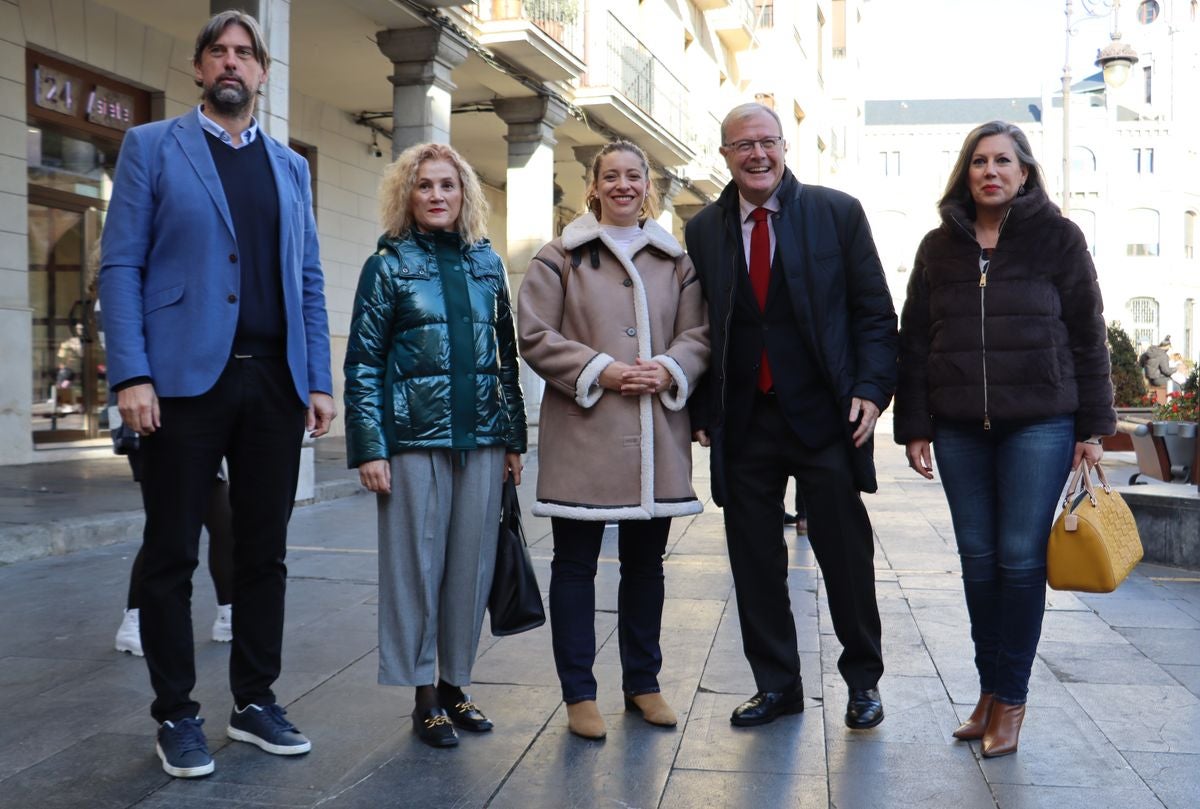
[[591, 199], [400, 176]]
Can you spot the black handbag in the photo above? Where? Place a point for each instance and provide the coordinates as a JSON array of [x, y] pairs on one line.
[[515, 603]]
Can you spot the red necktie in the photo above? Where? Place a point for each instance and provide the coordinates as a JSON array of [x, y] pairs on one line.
[[760, 279]]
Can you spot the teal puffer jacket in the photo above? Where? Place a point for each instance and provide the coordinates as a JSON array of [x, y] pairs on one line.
[[398, 355]]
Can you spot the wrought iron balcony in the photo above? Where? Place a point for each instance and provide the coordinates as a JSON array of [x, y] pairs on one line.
[[545, 36]]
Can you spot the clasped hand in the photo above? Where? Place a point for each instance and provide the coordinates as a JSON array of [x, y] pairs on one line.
[[644, 376]]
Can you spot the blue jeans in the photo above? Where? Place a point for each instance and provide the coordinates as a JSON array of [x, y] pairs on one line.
[[1003, 486], [641, 544]]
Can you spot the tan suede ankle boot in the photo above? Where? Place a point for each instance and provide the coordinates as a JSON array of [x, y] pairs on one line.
[[653, 708], [585, 721]]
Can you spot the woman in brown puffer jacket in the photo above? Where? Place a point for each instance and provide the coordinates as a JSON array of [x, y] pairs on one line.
[[1004, 369]]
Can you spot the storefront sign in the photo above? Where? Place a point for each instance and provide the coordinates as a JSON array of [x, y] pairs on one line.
[[54, 90], [110, 108]]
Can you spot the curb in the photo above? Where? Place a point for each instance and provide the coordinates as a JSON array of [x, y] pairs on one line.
[[29, 541]]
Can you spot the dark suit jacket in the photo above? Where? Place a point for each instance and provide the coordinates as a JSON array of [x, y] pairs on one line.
[[838, 296]]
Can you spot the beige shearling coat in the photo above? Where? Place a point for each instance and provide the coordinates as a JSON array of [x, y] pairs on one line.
[[601, 455]]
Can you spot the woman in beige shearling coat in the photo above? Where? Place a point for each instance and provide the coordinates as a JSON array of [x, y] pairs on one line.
[[611, 316]]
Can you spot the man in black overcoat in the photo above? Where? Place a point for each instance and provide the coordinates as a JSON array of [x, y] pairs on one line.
[[804, 360]]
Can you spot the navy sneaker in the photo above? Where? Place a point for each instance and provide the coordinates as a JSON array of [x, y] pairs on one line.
[[265, 727], [183, 748]]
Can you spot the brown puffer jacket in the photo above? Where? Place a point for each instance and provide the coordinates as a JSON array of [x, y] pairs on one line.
[[1026, 341]]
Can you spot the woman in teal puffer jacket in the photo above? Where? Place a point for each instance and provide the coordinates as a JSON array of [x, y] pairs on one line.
[[435, 423]]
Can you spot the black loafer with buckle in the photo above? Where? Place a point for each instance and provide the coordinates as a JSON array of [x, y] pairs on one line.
[[466, 715], [433, 727]]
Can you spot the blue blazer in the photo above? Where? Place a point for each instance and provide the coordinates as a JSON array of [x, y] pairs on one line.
[[170, 276]]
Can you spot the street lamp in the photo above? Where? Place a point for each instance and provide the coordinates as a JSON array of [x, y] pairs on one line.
[[1116, 59]]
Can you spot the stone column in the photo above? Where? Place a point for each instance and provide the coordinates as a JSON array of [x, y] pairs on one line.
[[668, 188], [422, 59], [529, 198]]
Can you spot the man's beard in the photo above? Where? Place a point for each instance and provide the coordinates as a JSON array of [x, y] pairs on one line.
[[232, 100]]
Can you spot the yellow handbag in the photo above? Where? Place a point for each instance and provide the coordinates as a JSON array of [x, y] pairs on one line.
[[1094, 542]]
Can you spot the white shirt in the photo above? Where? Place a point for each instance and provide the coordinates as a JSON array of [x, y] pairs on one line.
[[747, 208], [623, 236], [217, 131]]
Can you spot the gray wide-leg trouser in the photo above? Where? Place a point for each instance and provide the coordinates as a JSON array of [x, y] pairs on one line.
[[437, 551]]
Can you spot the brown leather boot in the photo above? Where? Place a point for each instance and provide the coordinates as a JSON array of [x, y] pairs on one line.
[[653, 708], [1003, 729], [585, 721], [977, 722]]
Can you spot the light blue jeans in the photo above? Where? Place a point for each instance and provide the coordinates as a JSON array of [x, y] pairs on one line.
[[1003, 486]]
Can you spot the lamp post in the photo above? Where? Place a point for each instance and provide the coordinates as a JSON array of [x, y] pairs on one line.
[[1115, 59]]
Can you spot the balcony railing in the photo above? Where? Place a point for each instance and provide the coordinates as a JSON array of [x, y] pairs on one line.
[[561, 20], [628, 66]]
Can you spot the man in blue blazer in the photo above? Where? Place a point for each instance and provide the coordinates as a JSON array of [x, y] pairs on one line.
[[218, 346], [804, 360]]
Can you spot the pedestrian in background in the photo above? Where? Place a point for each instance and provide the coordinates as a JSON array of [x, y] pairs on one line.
[[218, 347], [1004, 370], [435, 423], [804, 361], [613, 319]]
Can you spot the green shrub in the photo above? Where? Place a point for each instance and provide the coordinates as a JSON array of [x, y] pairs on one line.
[[1129, 383]]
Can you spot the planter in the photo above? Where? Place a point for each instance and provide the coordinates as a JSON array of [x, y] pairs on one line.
[[1179, 438]]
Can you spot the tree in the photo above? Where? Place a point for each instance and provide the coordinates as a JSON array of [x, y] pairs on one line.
[[1129, 383]]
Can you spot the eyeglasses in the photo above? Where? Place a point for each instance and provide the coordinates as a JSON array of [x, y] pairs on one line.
[[769, 145]]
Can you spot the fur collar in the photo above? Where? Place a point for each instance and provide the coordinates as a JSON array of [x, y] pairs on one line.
[[586, 228]]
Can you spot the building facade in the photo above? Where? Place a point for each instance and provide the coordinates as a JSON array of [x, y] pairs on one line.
[[527, 90], [1134, 172]]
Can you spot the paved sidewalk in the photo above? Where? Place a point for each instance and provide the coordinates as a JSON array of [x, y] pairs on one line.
[[1114, 716]]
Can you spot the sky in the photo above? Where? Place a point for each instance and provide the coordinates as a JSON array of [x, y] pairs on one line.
[[976, 48]]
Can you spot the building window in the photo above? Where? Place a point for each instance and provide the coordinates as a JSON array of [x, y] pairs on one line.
[[839, 29], [1141, 229], [1143, 160], [1189, 234], [1189, 315], [1143, 319], [1148, 11], [764, 13], [1148, 72], [889, 164], [1087, 223], [1083, 160]]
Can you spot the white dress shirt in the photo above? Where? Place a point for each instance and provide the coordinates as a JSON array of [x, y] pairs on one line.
[[747, 208]]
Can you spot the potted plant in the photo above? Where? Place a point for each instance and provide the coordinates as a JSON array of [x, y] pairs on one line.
[[1175, 423], [1129, 386]]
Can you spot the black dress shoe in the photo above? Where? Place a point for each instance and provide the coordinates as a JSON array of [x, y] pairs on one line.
[[766, 706], [433, 727], [466, 715], [864, 709]]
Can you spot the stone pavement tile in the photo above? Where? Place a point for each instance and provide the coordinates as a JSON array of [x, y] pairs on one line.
[[687, 613], [528, 658], [1179, 647], [1023, 796], [628, 768], [1065, 600], [879, 775], [1174, 777], [1114, 662], [98, 771], [930, 580], [1147, 718], [1060, 746], [696, 576], [393, 768], [1079, 627], [1143, 612], [916, 710], [791, 744], [24, 678], [689, 789], [1187, 676]]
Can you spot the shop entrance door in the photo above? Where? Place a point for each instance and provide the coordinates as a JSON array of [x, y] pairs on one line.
[[70, 390]]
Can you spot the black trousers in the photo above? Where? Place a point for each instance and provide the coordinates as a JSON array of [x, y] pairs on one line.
[[253, 418], [839, 531]]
